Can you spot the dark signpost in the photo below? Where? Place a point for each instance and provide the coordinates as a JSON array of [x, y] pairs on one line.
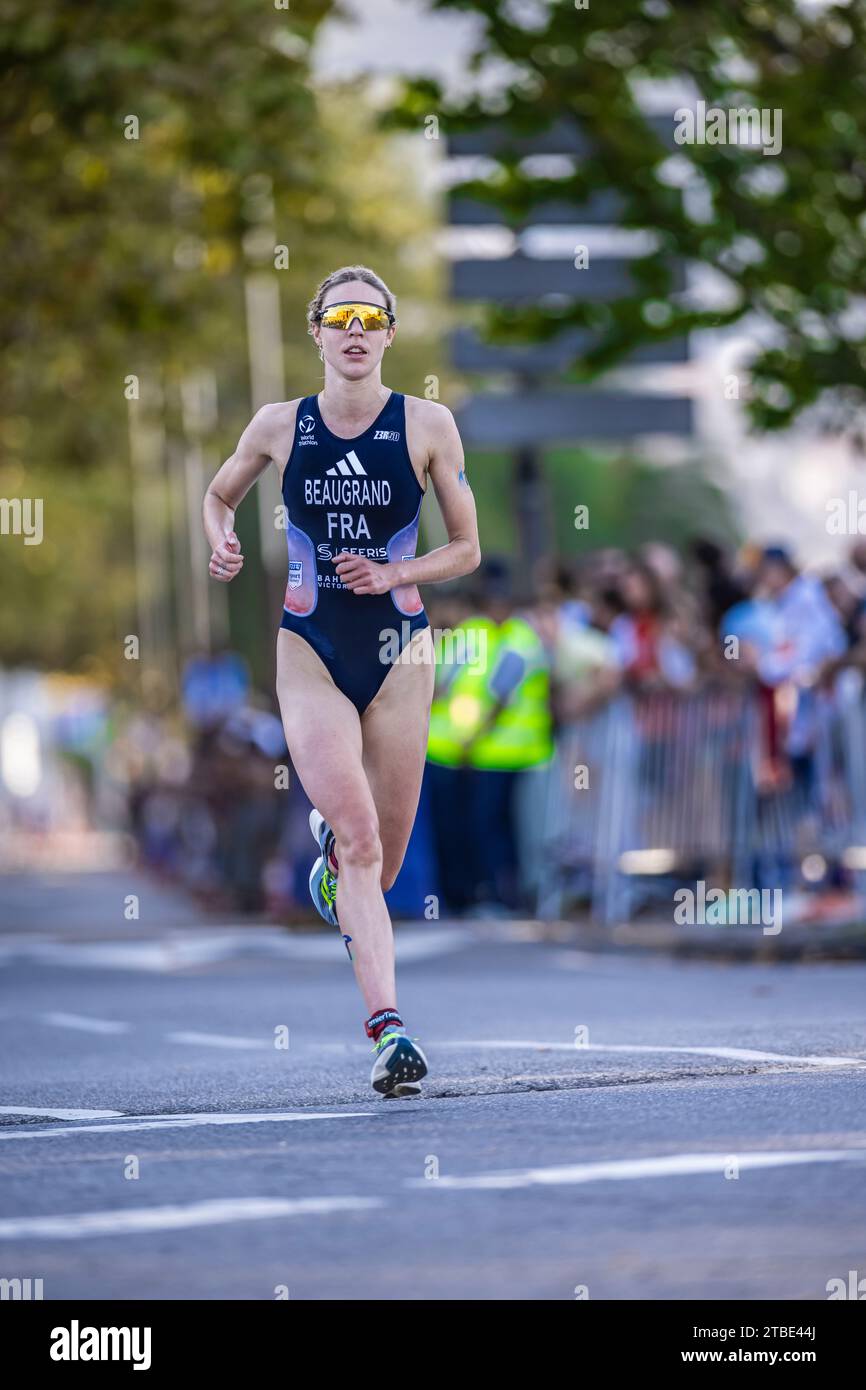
[[529, 410]]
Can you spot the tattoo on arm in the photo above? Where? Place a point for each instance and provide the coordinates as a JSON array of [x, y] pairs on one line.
[[461, 476]]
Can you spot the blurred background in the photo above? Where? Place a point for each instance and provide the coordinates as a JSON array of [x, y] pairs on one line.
[[654, 347]]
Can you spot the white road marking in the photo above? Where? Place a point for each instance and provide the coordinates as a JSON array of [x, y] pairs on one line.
[[85, 1025], [141, 1220], [183, 950], [430, 942], [253, 1117], [667, 1165], [575, 960], [59, 1114], [110, 955], [220, 1040], [737, 1054], [409, 945], [161, 955]]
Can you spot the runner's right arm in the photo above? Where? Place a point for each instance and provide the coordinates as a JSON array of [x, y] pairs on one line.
[[227, 490]]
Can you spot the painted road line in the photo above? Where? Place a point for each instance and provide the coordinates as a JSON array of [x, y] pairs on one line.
[[184, 1122], [142, 1220], [425, 945], [667, 1165], [83, 1024], [162, 955], [112, 955], [220, 1040], [735, 1054], [60, 1114], [178, 951]]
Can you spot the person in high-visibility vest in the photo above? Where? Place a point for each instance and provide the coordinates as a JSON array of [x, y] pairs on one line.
[[490, 723]]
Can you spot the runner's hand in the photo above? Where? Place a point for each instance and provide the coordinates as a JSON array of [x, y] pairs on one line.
[[226, 560], [364, 576]]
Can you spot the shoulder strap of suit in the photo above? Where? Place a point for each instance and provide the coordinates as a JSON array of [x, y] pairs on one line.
[[393, 417], [307, 409]]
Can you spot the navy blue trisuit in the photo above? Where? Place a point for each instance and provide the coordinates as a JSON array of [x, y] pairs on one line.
[[362, 496]]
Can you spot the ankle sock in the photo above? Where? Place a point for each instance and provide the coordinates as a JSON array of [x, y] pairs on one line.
[[377, 1023]]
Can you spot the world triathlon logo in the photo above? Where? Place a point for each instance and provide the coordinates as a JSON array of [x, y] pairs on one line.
[[306, 425]]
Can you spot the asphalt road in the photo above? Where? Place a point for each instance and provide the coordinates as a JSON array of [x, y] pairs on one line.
[[706, 1138]]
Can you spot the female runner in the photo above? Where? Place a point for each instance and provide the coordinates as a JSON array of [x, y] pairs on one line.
[[354, 462]]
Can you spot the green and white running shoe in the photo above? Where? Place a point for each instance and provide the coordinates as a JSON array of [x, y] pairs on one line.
[[323, 891], [399, 1066], [324, 838], [323, 881]]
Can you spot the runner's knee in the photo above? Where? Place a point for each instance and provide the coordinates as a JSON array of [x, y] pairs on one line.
[[358, 841]]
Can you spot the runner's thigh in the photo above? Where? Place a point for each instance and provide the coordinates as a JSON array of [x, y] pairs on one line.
[[395, 726], [323, 733]]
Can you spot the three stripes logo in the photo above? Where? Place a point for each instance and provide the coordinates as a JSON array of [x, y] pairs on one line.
[[347, 466]]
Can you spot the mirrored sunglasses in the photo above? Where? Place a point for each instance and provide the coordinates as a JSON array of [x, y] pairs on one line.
[[372, 316]]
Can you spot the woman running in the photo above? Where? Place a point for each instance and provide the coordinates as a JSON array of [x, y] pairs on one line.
[[354, 462]]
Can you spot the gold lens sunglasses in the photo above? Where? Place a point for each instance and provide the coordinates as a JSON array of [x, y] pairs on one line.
[[342, 314]]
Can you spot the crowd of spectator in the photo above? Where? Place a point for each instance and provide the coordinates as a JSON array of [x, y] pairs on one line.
[[606, 623], [662, 620]]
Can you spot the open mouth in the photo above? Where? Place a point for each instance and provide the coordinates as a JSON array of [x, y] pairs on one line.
[[355, 351]]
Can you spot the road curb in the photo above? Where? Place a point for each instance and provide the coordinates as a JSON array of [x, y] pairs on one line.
[[801, 941]]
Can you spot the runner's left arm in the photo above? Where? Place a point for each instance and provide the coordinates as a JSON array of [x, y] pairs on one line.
[[446, 470]]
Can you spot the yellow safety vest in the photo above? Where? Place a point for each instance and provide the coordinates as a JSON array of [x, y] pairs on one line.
[[522, 734]]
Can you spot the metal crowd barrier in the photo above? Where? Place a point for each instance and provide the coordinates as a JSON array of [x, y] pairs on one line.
[[660, 789]]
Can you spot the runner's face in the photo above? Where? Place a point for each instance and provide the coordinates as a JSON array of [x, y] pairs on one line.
[[352, 351]]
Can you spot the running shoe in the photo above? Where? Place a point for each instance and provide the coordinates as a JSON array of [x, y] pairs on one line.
[[324, 838], [323, 891], [399, 1065], [323, 876]]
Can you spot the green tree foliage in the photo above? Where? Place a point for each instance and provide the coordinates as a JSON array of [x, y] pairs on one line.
[[135, 138], [133, 135], [145, 147], [784, 233]]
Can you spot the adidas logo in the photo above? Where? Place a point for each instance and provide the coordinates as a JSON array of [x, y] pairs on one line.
[[347, 466]]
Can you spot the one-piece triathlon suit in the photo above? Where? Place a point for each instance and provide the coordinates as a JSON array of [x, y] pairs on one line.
[[363, 496]]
